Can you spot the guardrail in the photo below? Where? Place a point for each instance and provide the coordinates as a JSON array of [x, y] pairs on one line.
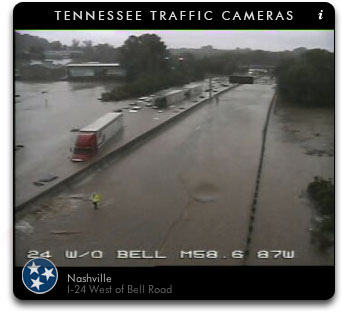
[[257, 182]]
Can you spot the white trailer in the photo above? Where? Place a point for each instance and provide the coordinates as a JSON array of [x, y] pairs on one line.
[[170, 98], [193, 90], [174, 96], [92, 137], [105, 127]]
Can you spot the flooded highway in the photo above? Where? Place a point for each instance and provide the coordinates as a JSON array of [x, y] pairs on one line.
[[188, 188], [46, 114]]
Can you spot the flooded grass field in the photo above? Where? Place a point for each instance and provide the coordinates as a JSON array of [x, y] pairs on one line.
[[299, 146]]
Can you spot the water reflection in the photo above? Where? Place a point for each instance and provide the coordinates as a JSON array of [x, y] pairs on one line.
[[107, 86]]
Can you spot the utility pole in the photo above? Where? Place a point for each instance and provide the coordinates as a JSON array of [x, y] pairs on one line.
[[210, 87]]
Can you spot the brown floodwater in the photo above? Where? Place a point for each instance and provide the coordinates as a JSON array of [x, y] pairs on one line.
[[191, 187], [299, 146]]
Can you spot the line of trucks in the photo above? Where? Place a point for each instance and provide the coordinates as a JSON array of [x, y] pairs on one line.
[[93, 137]]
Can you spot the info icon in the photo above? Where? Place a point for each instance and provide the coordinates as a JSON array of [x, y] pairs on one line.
[[39, 275]]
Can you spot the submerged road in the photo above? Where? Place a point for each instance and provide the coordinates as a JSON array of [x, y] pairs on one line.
[[44, 124], [188, 188]]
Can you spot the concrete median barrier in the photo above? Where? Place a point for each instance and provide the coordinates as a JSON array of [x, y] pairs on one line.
[[134, 143]]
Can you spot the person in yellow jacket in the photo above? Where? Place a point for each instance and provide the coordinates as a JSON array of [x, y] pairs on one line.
[[95, 198]]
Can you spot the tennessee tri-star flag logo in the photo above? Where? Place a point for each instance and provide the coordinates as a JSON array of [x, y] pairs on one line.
[[39, 275]]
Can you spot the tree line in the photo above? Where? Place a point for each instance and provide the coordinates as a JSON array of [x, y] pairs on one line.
[[303, 76], [308, 79], [29, 47]]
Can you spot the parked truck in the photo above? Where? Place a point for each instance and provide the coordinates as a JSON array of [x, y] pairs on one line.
[[241, 79], [92, 137], [192, 90], [169, 98]]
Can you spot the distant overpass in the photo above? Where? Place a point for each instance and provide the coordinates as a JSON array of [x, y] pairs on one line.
[[257, 67], [94, 71]]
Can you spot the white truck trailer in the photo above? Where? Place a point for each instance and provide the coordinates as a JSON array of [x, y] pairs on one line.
[[170, 97], [192, 90], [92, 137]]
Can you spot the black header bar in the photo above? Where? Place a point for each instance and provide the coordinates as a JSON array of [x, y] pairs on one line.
[[170, 15]]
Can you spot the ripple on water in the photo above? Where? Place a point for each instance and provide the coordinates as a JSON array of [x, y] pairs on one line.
[[205, 192]]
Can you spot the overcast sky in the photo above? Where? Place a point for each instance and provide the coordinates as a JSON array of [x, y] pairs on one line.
[[273, 40]]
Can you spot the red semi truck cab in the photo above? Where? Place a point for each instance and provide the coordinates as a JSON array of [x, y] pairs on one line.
[[92, 137], [85, 146]]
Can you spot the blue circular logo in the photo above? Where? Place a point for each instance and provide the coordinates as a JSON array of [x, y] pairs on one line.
[[39, 275]]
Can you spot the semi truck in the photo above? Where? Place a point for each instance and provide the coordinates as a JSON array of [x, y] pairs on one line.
[[92, 137], [241, 79], [170, 98], [192, 90]]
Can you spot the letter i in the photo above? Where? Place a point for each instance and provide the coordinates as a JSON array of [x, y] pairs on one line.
[[320, 15]]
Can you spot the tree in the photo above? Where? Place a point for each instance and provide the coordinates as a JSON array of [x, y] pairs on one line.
[[75, 44], [308, 78], [88, 43], [145, 54], [88, 50], [55, 45], [31, 46], [105, 53]]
